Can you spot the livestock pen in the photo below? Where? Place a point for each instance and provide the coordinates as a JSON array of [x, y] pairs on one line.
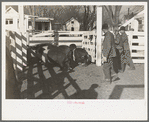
[[41, 80]]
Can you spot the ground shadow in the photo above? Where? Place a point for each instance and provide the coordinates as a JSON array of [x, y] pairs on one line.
[[118, 89], [86, 94], [43, 81]]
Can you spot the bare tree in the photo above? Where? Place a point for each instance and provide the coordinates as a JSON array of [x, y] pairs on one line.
[[113, 14], [89, 17]]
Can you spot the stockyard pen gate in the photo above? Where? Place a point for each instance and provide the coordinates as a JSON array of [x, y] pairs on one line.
[[17, 45]]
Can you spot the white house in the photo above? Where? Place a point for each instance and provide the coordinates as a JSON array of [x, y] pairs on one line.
[[136, 23], [12, 20], [71, 25]]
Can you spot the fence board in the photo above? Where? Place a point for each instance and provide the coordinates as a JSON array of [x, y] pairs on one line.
[[138, 61], [137, 48], [137, 54]]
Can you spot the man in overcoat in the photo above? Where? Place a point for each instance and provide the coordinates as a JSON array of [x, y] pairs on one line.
[[108, 54], [125, 57], [119, 50]]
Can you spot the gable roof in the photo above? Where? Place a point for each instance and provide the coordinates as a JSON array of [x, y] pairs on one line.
[[68, 20], [139, 15], [15, 7]]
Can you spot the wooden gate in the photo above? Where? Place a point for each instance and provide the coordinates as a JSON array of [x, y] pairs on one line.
[[137, 46], [89, 44]]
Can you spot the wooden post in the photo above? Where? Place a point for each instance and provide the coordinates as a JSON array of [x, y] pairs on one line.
[[99, 29], [43, 27], [21, 18], [15, 22], [50, 26], [130, 38], [136, 25]]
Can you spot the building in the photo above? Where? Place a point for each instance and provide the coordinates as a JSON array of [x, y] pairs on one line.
[[43, 23], [136, 23], [12, 20], [71, 25]]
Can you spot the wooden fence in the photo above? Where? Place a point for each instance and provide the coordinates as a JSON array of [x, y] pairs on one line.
[[136, 43], [137, 46], [64, 38], [89, 44], [16, 43]]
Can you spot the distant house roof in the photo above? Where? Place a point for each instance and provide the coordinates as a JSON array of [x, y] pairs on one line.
[[15, 7], [40, 19], [68, 20], [132, 8], [139, 15], [43, 19]]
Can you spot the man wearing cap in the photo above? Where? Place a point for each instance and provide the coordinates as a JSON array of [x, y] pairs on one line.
[[125, 57], [108, 53]]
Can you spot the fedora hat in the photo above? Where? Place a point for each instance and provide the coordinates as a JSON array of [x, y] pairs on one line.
[[122, 28], [105, 26]]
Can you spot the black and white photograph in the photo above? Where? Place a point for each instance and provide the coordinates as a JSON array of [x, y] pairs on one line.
[[75, 54]]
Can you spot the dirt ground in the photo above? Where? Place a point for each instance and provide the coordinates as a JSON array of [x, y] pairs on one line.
[[43, 81]]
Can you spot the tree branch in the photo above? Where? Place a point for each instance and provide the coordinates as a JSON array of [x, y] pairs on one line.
[[110, 14]]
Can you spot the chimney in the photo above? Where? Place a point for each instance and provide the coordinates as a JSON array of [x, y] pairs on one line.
[[128, 10]]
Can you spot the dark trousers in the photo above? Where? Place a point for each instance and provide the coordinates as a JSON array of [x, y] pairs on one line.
[[108, 68], [117, 62], [126, 59]]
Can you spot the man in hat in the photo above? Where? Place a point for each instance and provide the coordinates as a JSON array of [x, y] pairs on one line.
[[108, 54], [125, 57], [119, 50]]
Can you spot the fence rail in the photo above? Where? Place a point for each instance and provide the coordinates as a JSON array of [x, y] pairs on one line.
[[137, 46], [64, 38]]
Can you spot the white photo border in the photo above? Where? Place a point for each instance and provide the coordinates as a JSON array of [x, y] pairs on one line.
[[59, 109]]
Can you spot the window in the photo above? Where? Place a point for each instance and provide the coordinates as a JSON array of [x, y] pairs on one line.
[[39, 26], [46, 26], [11, 22], [72, 22], [72, 28], [29, 23]]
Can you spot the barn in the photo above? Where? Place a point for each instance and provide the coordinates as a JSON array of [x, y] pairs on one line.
[[71, 25]]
